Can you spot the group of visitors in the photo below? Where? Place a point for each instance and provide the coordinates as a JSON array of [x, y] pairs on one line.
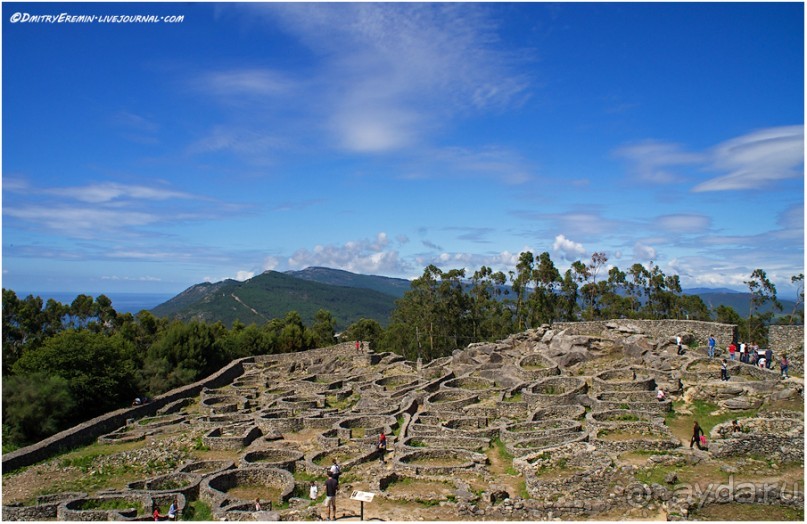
[[749, 354]]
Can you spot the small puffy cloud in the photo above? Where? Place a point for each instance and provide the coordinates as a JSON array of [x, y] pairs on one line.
[[684, 223], [244, 275], [643, 252], [569, 249], [368, 256], [270, 263]]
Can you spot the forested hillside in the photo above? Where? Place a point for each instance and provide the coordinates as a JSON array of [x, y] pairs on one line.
[[272, 295]]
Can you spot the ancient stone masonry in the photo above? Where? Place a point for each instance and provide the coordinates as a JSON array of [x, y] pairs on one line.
[[553, 423], [788, 340]]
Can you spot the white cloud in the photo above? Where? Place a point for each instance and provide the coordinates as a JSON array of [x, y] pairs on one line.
[[757, 160], [358, 256], [131, 279], [684, 223], [392, 73], [643, 252], [244, 275], [655, 162], [270, 264], [108, 192], [568, 249], [751, 161], [240, 82]]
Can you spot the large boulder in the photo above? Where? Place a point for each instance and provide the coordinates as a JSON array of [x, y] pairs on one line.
[[741, 403]]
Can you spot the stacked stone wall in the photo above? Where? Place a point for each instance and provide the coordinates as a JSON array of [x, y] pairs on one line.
[[87, 432], [660, 329], [788, 340]]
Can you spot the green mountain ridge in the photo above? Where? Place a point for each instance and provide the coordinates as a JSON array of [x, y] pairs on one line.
[[272, 295]]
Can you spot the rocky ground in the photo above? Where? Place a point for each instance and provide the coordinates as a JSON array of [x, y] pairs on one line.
[[543, 425]]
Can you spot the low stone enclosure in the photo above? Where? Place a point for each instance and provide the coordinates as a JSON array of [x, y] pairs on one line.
[[560, 422]]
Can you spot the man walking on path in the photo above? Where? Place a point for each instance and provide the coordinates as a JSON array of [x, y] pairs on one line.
[[711, 346]]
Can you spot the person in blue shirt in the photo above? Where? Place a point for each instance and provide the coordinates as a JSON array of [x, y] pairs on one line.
[[172, 511], [711, 346]]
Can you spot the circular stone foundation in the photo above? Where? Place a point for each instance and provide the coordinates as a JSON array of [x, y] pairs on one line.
[[439, 461], [247, 484], [275, 458]]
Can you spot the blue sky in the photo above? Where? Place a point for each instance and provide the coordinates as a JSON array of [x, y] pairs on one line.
[[381, 138]]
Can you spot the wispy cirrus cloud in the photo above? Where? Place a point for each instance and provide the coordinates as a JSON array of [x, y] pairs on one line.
[[752, 161], [657, 162], [104, 209], [402, 71], [756, 160], [684, 223]]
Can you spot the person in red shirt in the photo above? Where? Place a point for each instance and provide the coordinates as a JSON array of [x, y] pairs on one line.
[[732, 350]]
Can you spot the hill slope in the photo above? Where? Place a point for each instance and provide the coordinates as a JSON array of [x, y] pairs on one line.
[[337, 277], [273, 295]]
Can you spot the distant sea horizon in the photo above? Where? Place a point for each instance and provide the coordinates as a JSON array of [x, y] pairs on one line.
[[122, 302]]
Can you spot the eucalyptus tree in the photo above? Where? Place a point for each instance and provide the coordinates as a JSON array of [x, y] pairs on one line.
[[544, 299], [637, 286], [798, 281], [488, 314], [762, 291], [520, 281]]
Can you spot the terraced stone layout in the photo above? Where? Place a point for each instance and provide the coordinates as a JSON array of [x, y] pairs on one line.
[[546, 424]]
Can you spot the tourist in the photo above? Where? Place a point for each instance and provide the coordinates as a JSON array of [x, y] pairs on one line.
[[331, 486], [762, 361], [735, 427], [743, 354], [335, 470], [257, 504], [382, 446], [711, 346], [156, 513], [754, 358], [697, 433], [313, 491], [172, 511], [732, 350], [679, 342], [783, 365], [660, 395], [768, 358], [724, 372]]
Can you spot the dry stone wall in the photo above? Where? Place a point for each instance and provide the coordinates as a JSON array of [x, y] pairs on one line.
[[567, 421], [789, 340]]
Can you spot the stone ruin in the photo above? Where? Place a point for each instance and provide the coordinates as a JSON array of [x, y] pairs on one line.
[[558, 423]]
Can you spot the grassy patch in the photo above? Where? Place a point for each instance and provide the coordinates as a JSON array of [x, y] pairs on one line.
[[514, 398], [706, 415], [113, 504], [333, 402], [505, 456], [655, 474], [198, 511]]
